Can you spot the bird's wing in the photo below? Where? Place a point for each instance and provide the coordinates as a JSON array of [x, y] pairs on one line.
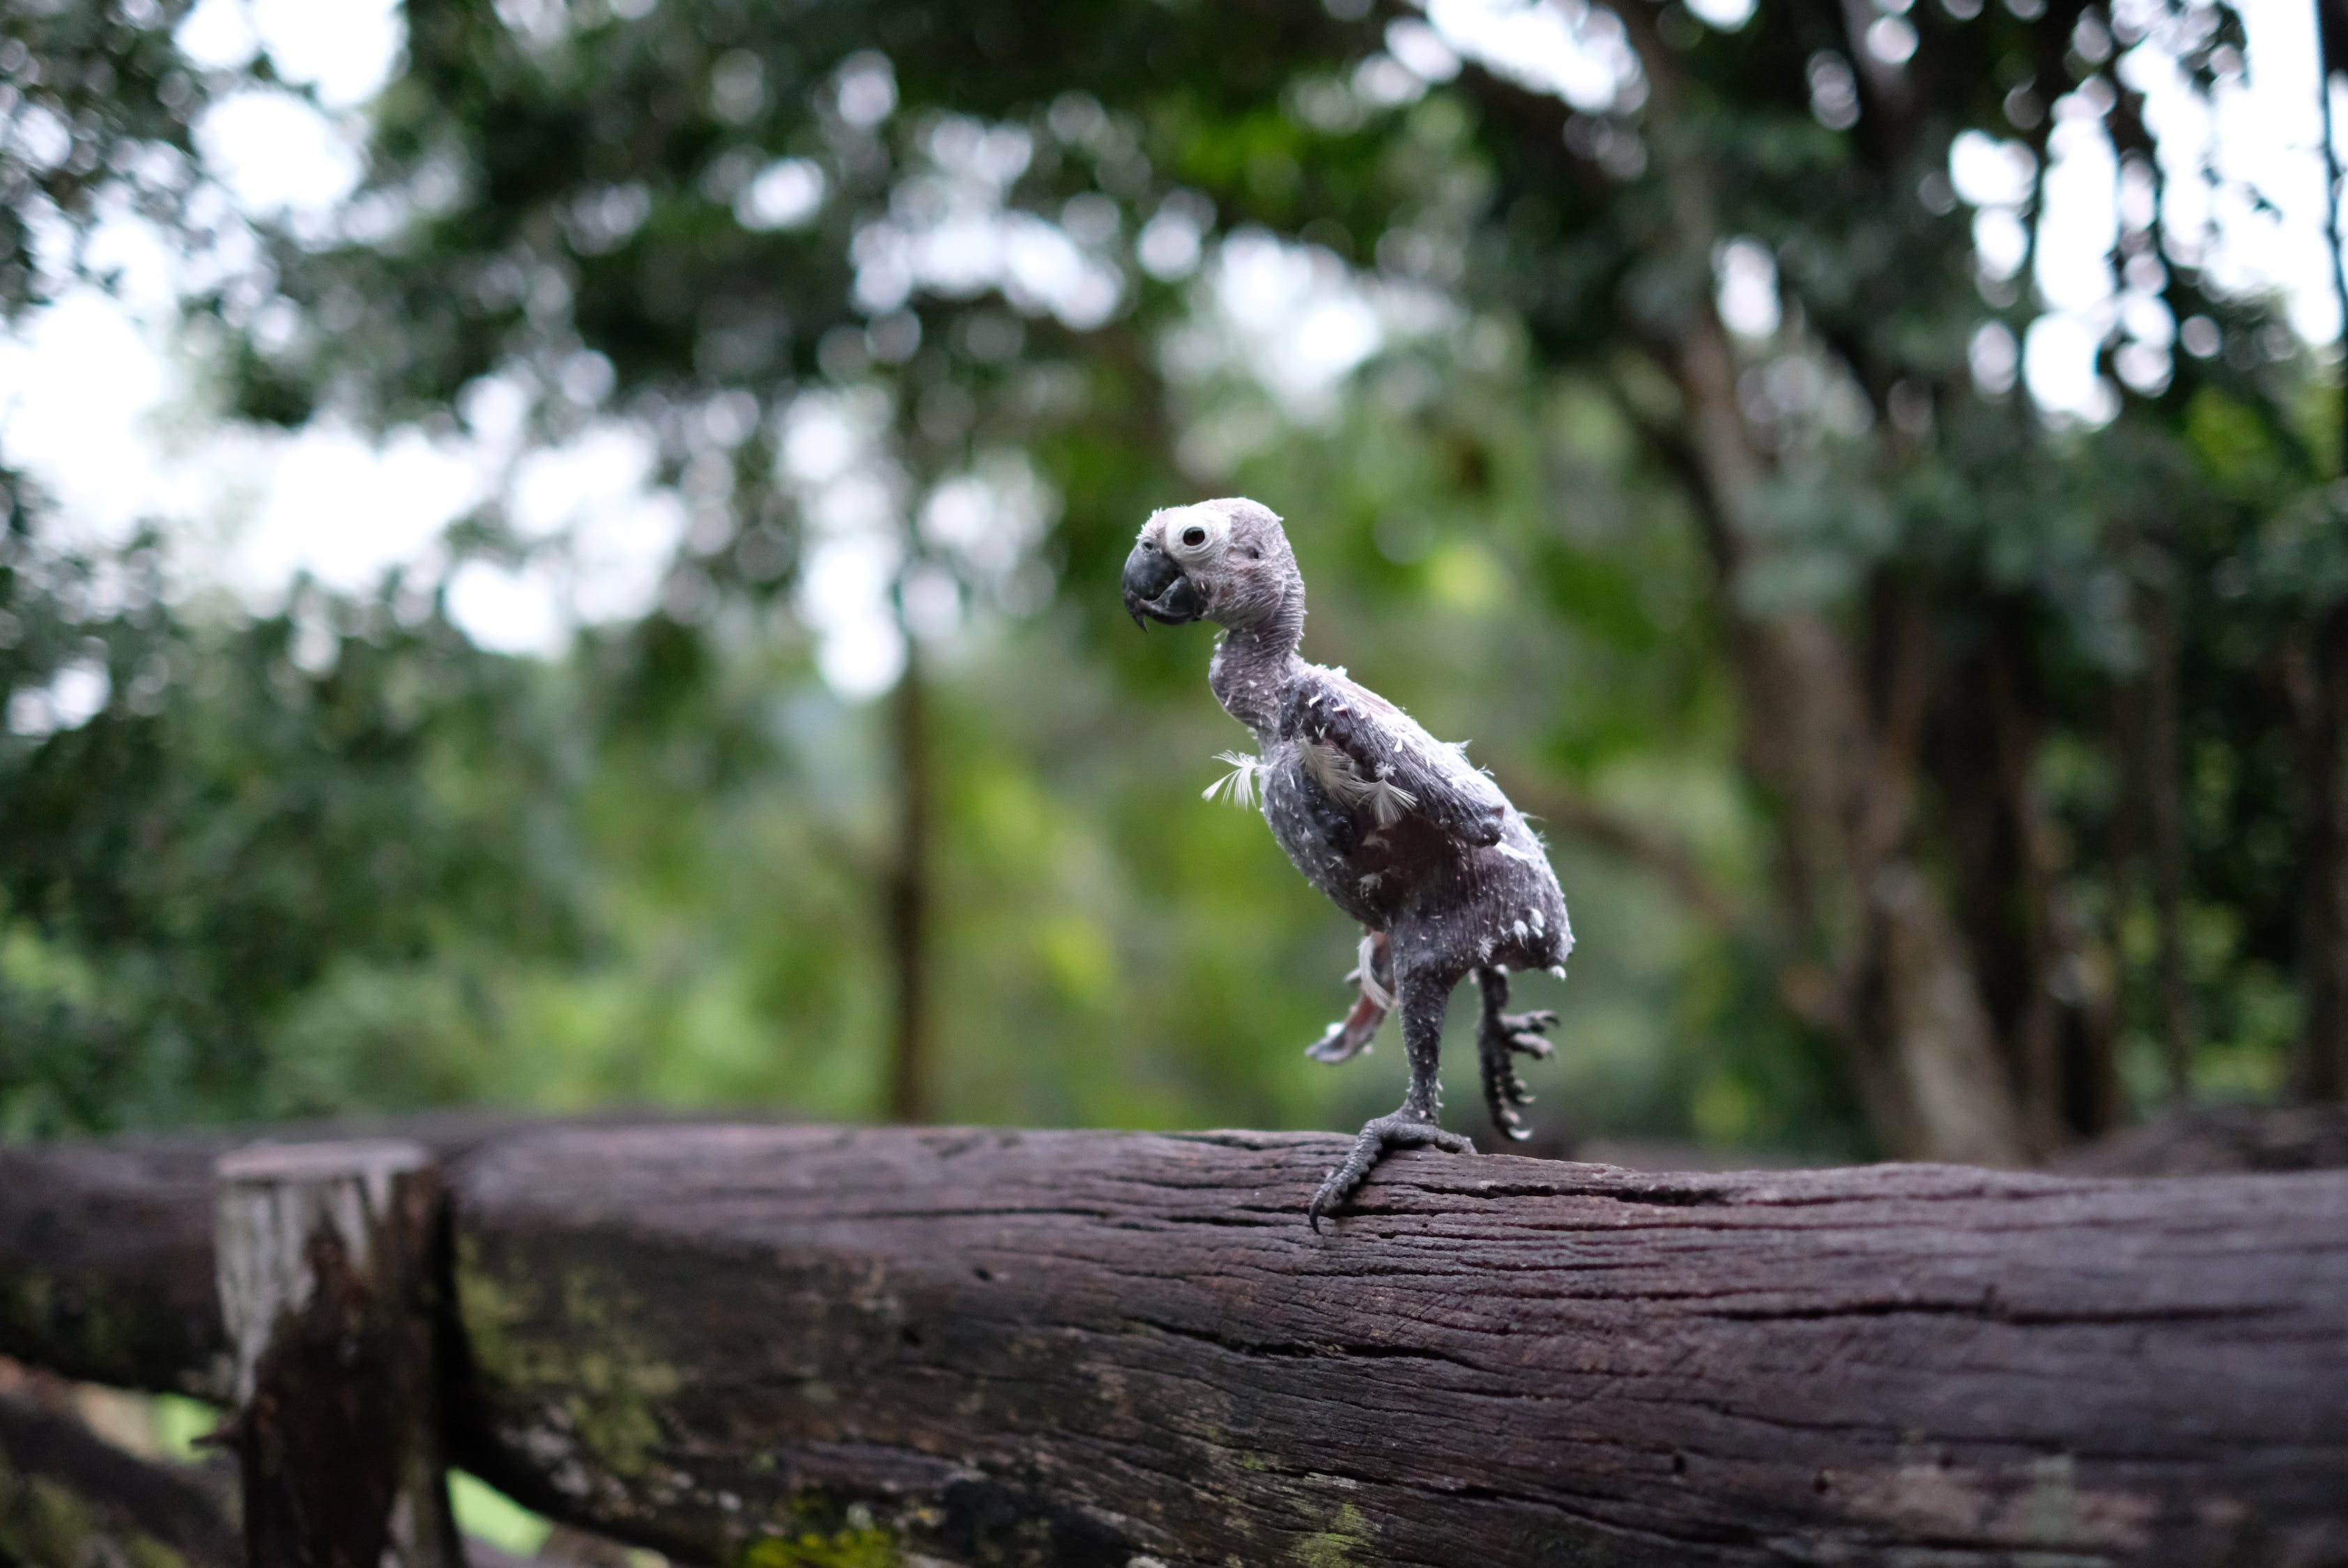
[[1368, 752]]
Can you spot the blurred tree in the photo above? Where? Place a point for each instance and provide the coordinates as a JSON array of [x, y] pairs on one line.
[[200, 824], [100, 108], [195, 822], [2033, 715], [1932, 594], [673, 205], [2316, 676]]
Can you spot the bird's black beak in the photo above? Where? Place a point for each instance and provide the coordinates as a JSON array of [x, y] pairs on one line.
[[1154, 587]]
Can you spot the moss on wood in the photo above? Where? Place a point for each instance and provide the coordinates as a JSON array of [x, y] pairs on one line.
[[41, 1522], [608, 1380]]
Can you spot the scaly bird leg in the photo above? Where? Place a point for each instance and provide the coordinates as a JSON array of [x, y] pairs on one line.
[[1500, 1038], [1415, 1124], [1350, 1036]]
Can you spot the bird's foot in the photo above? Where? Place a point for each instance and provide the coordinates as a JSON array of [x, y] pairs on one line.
[[1524, 1032], [1394, 1131], [1335, 1046], [1504, 1037], [1350, 1036]]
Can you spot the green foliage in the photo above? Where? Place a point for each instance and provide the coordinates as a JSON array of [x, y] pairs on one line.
[[259, 806], [102, 109], [337, 856]]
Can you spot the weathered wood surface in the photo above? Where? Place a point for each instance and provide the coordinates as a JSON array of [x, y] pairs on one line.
[[1082, 1348], [331, 1277], [106, 1264], [70, 1499], [106, 1249], [1077, 1348]]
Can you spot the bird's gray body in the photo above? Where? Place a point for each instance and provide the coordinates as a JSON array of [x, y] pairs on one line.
[[1398, 829], [1495, 903]]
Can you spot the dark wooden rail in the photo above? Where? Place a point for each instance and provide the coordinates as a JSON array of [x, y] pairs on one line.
[[786, 1346], [69, 1497]]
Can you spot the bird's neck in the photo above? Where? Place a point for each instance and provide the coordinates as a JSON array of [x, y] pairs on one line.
[[1255, 661]]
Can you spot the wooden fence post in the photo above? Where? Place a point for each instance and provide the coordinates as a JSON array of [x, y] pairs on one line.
[[328, 1285], [1086, 1350]]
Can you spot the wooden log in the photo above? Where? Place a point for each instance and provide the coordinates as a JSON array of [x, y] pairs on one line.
[[2214, 1139], [329, 1275], [808, 1346], [106, 1265], [106, 1249], [782, 1344], [68, 1497]]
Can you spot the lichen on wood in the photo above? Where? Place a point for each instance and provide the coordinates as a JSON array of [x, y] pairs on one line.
[[1079, 1349], [1094, 1350], [826, 1537]]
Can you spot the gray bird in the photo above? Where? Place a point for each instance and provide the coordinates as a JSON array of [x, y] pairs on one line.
[[1400, 831]]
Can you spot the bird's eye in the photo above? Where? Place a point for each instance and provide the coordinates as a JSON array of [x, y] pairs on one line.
[[1198, 535]]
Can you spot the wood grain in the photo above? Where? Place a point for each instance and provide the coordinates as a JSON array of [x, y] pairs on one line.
[[1081, 1348], [106, 1249], [332, 1283], [106, 1264]]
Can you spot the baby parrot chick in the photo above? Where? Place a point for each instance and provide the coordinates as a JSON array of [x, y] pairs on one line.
[[1398, 829]]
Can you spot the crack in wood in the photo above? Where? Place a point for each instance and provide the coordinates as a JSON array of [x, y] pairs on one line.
[[1496, 1362]]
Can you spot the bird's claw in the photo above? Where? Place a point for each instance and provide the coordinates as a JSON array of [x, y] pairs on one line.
[[1333, 1046], [1525, 1031], [1396, 1131], [1350, 1036], [1508, 1036], [1501, 1098]]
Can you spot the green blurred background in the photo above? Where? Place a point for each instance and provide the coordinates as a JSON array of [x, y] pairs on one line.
[[1939, 738]]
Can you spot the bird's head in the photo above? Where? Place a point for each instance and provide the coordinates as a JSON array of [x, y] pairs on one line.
[[1222, 560]]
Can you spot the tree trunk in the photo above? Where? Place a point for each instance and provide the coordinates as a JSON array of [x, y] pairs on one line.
[[329, 1283], [2162, 770], [1833, 737], [1901, 992], [1928, 1057], [2049, 990], [909, 899], [2315, 677], [2319, 699]]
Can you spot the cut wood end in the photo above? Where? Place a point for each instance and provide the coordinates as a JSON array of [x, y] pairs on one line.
[[281, 1162]]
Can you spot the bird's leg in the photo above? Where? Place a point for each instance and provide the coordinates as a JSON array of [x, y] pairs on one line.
[[1500, 1038], [1350, 1036], [1424, 997]]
